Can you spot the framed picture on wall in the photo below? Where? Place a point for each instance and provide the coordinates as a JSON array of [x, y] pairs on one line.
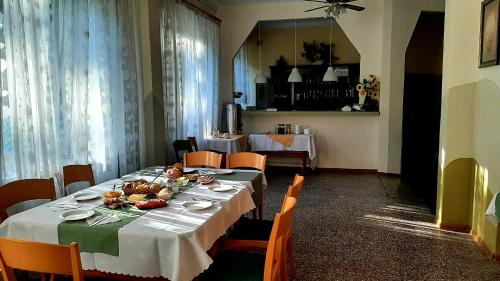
[[489, 33]]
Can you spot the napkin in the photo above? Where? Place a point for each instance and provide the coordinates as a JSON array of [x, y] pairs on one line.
[[493, 208], [285, 140], [64, 206], [103, 219]]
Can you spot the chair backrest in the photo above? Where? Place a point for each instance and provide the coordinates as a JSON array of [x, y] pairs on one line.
[[194, 144], [246, 160], [298, 182], [39, 257], [202, 159], [23, 190], [181, 146], [277, 241], [78, 173]]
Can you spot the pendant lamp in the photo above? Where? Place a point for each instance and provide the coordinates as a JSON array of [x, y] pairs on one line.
[[259, 77], [295, 75], [330, 73]]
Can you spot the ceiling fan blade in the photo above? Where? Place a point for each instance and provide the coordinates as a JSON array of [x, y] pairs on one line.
[[318, 1], [353, 7], [317, 8]]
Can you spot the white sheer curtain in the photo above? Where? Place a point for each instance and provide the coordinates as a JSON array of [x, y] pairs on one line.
[[244, 76], [74, 85], [190, 64]]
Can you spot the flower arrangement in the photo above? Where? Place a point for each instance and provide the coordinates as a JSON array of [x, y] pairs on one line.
[[369, 87], [315, 53]]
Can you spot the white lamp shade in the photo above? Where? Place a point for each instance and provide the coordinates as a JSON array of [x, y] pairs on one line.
[[295, 76], [330, 75], [260, 78]]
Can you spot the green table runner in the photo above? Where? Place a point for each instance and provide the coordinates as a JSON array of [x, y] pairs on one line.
[[255, 178], [99, 238]]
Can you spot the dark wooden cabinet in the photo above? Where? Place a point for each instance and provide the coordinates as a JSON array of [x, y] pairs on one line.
[[313, 94]]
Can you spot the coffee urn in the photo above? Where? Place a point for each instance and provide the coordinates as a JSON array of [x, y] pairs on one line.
[[231, 116]]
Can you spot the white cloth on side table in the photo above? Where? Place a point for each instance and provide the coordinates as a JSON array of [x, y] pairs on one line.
[[302, 142], [171, 242], [220, 144]]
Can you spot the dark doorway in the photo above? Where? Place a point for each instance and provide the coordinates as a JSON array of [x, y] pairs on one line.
[[422, 107]]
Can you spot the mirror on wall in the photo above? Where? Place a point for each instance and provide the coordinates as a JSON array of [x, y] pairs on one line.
[[275, 55]]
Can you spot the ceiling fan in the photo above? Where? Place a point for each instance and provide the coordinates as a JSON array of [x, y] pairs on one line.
[[334, 8]]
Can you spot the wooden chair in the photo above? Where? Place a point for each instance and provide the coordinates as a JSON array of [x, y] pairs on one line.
[[194, 144], [39, 257], [249, 160], [232, 265], [181, 146], [256, 232], [77, 173], [246, 160], [206, 159], [24, 190]]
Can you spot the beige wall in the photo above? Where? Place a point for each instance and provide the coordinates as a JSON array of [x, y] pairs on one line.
[[469, 125], [345, 142], [380, 34]]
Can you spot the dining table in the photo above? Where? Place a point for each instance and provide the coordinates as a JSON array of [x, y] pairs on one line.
[[229, 144], [169, 242]]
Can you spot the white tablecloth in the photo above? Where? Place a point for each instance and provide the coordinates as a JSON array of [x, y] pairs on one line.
[[303, 142], [231, 145], [170, 242]]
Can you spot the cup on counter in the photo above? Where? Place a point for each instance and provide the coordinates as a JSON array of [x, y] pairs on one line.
[[226, 135], [307, 131], [297, 129], [215, 134]]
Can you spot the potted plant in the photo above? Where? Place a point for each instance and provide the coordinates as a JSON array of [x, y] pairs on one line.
[[318, 54]]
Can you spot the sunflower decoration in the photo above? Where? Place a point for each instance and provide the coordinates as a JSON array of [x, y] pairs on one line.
[[369, 87]]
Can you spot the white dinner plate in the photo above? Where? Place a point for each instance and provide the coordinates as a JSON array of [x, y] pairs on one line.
[[224, 171], [76, 215], [129, 178], [86, 195], [207, 172], [189, 170], [197, 205], [222, 188]]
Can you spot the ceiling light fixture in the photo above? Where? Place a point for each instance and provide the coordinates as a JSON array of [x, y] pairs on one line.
[[259, 77], [295, 75], [330, 72]]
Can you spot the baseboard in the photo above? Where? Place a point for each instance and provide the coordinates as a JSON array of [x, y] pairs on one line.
[[479, 241], [347, 171], [455, 228], [393, 175]]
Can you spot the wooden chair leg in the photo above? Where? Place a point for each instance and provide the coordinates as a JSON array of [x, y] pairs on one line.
[[254, 213], [304, 164], [261, 207], [291, 258]]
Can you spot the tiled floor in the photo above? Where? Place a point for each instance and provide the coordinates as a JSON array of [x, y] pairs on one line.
[[352, 227]]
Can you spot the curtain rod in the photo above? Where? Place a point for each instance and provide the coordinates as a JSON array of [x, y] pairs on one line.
[[201, 11]]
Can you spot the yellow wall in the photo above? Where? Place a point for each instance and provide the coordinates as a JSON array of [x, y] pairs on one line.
[[469, 127], [280, 41]]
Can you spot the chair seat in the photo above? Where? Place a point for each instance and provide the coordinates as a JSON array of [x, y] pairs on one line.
[[248, 229], [235, 266]]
